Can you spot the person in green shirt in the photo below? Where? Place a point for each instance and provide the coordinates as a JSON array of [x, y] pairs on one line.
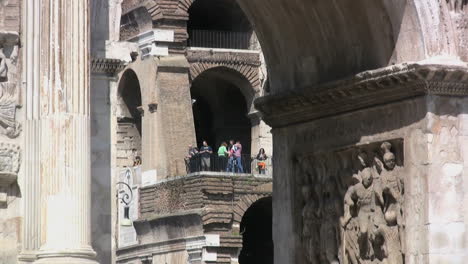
[[222, 156]]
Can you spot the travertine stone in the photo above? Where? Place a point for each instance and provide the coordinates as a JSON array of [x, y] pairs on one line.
[[60, 111]]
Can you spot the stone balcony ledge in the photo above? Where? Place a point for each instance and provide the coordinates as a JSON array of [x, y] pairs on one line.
[[211, 174], [210, 195]]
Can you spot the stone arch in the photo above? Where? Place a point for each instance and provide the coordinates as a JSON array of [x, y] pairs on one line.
[[129, 118], [184, 6], [243, 76], [249, 71], [248, 199], [307, 43], [256, 230]]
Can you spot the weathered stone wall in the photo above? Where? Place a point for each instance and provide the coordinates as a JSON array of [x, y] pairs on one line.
[[10, 19], [433, 138], [128, 143], [218, 196], [101, 186], [175, 108], [167, 119], [12, 177]]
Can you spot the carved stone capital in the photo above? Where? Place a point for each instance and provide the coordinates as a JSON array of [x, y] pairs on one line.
[[363, 90], [107, 66]]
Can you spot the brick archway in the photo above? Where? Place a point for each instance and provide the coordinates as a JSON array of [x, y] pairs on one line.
[[248, 199], [249, 72]]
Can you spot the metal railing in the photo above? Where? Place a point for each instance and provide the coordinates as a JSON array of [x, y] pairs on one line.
[[214, 163], [219, 39], [221, 164]]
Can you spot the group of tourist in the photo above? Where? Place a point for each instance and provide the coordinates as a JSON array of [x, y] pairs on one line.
[[229, 158]]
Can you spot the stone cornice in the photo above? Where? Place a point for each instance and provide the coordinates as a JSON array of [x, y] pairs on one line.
[[366, 89], [223, 56], [107, 66]]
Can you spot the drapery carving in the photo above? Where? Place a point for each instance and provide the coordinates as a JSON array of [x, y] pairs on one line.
[[9, 101], [353, 204]]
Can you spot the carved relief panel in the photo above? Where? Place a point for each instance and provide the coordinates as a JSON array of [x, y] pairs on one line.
[[9, 92], [10, 160], [353, 204]]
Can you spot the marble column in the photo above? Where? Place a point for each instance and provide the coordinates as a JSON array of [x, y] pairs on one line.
[[64, 136], [31, 233]]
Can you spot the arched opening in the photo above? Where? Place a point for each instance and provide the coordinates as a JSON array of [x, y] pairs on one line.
[[129, 119], [218, 24], [256, 230], [221, 100]]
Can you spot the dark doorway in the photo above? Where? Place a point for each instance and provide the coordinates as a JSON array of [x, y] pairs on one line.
[[129, 120], [218, 24], [256, 230], [220, 109], [129, 88]]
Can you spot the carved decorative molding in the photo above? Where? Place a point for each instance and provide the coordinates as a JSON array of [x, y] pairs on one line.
[[363, 90], [246, 63], [107, 66]]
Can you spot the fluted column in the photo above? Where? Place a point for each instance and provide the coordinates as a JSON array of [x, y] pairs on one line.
[[31, 234], [65, 133]]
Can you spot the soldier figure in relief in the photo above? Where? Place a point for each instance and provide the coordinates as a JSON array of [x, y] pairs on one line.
[[366, 198], [393, 191]]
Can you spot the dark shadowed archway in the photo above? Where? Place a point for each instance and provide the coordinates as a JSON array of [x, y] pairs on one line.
[[130, 92], [129, 120], [221, 103], [256, 230]]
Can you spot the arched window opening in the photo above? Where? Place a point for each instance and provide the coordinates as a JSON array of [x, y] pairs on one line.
[[129, 120], [256, 230], [220, 109], [218, 24]]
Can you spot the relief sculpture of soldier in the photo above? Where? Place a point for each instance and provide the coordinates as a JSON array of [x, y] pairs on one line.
[[373, 219], [366, 200], [393, 191]]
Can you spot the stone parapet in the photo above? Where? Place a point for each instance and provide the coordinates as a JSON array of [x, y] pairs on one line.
[[216, 194]]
